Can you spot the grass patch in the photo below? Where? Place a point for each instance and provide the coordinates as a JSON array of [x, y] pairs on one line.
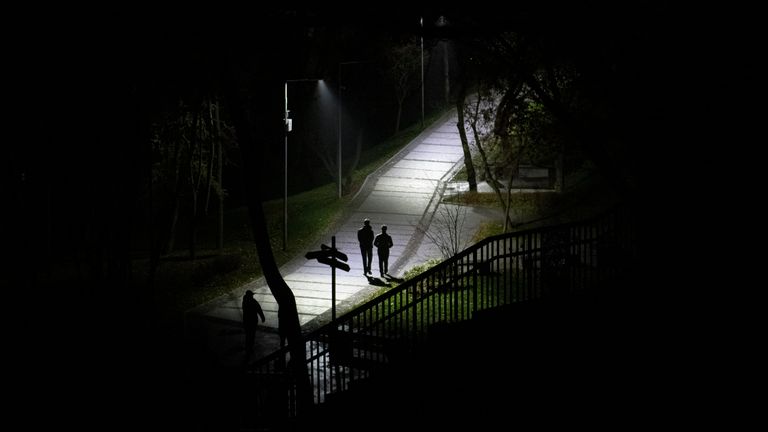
[[488, 229], [586, 194], [421, 268], [461, 175], [437, 302], [527, 202]]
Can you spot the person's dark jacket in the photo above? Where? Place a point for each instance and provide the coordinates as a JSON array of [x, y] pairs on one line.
[[251, 312], [383, 242], [365, 236]]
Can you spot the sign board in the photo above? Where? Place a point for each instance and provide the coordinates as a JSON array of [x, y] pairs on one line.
[[329, 256], [326, 252], [332, 263], [334, 252]]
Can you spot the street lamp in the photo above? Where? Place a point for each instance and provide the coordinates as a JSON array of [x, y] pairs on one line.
[[338, 152], [287, 127], [421, 23]]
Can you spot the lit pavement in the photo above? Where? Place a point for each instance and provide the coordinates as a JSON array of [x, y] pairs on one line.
[[403, 194]]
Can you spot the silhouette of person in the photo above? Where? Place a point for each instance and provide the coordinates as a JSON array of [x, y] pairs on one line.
[[383, 242], [251, 313], [365, 238]]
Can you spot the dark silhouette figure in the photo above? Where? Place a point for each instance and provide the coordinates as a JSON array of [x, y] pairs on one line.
[[383, 243], [365, 238], [251, 313]]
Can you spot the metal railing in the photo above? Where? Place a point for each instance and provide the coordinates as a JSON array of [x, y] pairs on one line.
[[499, 270]]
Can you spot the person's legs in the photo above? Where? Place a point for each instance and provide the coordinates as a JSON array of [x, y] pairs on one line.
[[386, 262], [369, 258], [381, 263], [363, 257]]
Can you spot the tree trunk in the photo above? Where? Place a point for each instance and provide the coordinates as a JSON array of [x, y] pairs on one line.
[[399, 113], [471, 175], [193, 229], [173, 216], [559, 173], [195, 150], [490, 179], [211, 158], [447, 74], [289, 317], [508, 206], [220, 237]]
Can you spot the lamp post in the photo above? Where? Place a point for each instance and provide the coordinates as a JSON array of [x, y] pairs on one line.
[[287, 127], [421, 23], [442, 22], [338, 151]]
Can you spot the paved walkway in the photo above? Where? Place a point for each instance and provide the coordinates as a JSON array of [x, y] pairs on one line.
[[403, 194]]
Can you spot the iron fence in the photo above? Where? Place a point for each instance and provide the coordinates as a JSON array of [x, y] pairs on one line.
[[497, 271]]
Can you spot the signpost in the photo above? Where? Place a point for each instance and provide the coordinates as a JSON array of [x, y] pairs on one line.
[[332, 257]]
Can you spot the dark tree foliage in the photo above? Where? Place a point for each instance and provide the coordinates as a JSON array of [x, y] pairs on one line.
[[595, 75]]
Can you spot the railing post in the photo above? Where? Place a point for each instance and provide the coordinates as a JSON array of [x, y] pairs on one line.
[[455, 292], [415, 315], [474, 281]]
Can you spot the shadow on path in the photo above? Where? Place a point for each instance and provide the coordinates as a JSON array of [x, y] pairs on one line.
[[391, 278], [376, 281]]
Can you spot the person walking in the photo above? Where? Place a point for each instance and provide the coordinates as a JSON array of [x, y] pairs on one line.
[[365, 238], [251, 313], [383, 243]]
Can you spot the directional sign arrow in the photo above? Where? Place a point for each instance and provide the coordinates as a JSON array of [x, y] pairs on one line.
[[317, 254], [332, 263], [334, 252]]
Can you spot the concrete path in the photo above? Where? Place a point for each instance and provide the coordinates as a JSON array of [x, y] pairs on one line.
[[403, 194]]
